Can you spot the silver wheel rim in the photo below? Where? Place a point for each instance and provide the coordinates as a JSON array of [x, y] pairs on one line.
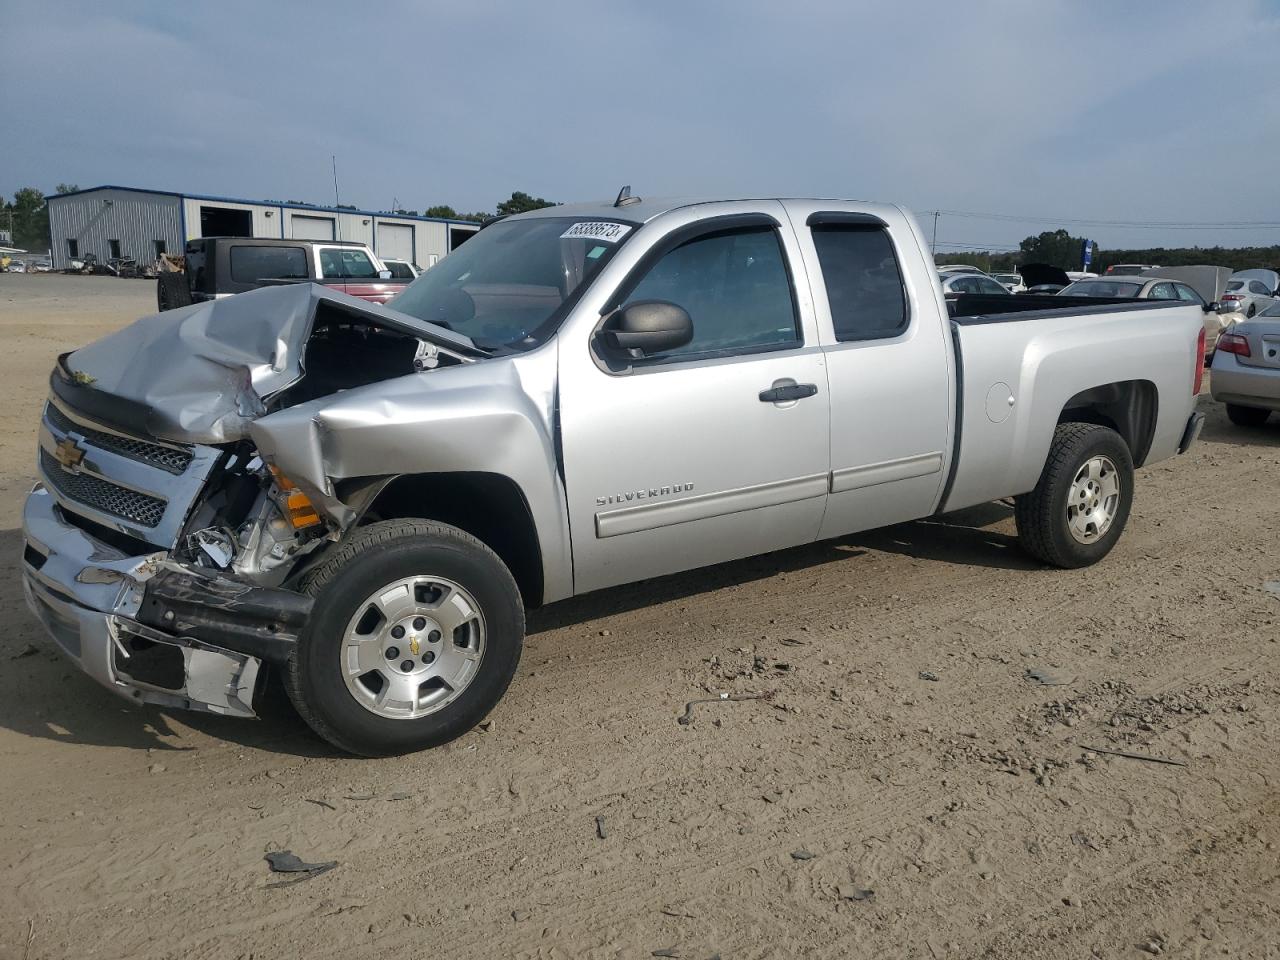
[[1094, 500], [413, 647]]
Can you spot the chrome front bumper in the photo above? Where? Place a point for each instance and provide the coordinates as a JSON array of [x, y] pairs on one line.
[[87, 595]]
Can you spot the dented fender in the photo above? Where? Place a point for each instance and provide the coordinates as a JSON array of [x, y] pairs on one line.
[[494, 417]]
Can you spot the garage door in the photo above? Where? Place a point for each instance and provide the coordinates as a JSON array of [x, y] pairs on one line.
[[395, 241], [312, 228]]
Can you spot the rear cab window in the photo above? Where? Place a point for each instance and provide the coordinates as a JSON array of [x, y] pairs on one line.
[[863, 279]]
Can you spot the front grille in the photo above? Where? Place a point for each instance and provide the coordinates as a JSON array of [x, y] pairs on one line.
[[102, 494], [166, 458]]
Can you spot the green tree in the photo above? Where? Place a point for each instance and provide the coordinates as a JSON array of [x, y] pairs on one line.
[[1055, 247], [443, 211], [67, 188], [29, 217], [521, 202]]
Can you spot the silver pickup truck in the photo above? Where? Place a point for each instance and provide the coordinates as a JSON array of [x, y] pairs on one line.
[[368, 498]]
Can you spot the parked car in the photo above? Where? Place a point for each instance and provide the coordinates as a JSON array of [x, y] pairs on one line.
[[216, 267], [1011, 281], [950, 268], [1246, 368], [1129, 269], [1127, 287], [42, 265], [367, 499], [16, 266], [402, 269], [1250, 292], [954, 284]]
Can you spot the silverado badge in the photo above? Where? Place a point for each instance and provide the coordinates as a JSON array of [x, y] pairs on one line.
[[69, 454]]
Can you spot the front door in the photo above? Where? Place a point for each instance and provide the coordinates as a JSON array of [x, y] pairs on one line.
[[687, 458]]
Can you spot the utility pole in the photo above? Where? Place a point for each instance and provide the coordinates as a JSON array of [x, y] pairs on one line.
[[933, 247]]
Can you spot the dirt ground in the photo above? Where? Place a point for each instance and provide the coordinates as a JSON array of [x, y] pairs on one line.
[[906, 792]]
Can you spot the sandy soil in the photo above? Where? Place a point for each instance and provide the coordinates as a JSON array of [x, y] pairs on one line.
[[907, 792]]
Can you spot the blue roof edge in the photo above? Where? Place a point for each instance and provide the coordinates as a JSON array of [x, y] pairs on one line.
[[264, 203]]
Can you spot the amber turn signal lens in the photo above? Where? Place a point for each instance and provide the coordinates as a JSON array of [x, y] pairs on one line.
[[302, 513], [300, 510]]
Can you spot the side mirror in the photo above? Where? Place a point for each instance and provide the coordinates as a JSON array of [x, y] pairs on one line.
[[646, 327], [1224, 306], [384, 274]]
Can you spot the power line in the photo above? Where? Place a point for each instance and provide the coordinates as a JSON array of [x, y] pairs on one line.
[[977, 246], [1118, 224]]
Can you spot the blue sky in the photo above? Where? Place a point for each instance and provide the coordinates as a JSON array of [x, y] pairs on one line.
[[1135, 111]]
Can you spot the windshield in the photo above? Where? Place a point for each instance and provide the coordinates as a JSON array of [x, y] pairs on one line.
[[1102, 288], [513, 282]]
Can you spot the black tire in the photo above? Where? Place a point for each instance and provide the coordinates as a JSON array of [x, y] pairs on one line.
[[376, 555], [1041, 515], [172, 291], [1246, 416]]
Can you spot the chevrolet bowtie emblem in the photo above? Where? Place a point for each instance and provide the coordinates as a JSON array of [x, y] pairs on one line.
[[69, 454], [413, 646]]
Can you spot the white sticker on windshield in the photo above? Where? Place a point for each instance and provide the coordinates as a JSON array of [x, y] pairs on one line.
[[597, 230]]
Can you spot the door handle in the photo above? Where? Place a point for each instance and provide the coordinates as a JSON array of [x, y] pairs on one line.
[[788, 393]]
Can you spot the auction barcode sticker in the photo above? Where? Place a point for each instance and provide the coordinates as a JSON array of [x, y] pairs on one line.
[[596, 230]]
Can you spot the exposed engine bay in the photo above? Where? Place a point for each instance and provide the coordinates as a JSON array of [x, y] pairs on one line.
[[241, 360]]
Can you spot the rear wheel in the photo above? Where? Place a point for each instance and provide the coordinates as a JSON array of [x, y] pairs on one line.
[[1078, 510], [1246, 416], [415, 636]]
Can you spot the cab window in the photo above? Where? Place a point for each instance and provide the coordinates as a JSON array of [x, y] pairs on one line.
[[863, 281], [338, 262], [734, 285]]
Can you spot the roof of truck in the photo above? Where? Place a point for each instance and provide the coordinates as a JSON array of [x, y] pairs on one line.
[[642, 210]]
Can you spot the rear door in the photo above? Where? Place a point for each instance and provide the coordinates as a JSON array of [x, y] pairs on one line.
[[684, 459], [888, 365]]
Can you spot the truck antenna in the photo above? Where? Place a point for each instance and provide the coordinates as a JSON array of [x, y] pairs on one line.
[[337, 217]]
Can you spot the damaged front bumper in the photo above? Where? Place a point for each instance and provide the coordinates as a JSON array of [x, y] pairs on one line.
[[149, 628]]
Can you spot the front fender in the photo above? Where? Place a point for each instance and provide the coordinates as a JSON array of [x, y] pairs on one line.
[[493, 416]]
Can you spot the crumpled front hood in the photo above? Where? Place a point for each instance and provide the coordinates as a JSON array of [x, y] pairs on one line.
[[201, 374]]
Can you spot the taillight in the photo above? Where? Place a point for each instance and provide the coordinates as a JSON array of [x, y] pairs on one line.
[[1232, 296], [1199, 377], [1235, 343]]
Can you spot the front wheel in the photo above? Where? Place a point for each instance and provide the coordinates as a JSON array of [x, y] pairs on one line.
[[415, 635], [1078, 510]]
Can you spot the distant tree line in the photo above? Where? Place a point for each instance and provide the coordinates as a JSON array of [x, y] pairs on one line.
[[1058, 248], [26, 217], [520, 202]]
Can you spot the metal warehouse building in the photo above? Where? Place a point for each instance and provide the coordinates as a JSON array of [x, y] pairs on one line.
[[111, 222]]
